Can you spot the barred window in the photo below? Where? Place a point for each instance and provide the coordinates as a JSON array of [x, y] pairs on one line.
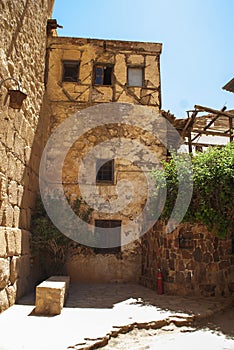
[[105, 170]]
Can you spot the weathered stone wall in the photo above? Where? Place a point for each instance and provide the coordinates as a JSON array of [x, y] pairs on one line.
[[132, 164], [67, 98], [193, 261], [22, 56]]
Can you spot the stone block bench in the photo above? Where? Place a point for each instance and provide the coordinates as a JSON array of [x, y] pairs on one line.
[[51, 295]]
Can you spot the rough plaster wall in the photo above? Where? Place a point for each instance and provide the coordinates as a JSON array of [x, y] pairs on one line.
[[84, 266], [22, 56], [119, 53]]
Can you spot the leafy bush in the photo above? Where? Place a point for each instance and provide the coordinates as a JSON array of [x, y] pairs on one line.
[[213, 183], [48, 243]]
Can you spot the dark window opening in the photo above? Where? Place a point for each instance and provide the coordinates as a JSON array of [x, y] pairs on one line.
[[105, 170], [70, 71], [232, 245], [135, 76], [103, 75], [198, 148], [109, 239]]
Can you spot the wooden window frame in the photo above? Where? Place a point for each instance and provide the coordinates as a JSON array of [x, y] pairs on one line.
[[143, 76], [76, 65], [102, 66]]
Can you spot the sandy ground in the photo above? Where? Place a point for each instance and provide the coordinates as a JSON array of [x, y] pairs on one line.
[[216, 333]]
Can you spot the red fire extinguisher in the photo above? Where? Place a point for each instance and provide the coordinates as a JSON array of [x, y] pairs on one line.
[[159, 282]]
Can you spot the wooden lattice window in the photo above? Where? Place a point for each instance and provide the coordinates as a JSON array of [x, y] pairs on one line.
[[109, 239]]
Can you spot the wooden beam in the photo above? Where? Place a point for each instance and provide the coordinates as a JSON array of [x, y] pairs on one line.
[[207, 126], [231, 129], [190, 142], [206, 132], [213, 111], [185, 127], [211, 122], [204, 144]]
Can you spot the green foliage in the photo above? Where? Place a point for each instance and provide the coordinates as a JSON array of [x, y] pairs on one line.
[[48, 243], [213, 182]]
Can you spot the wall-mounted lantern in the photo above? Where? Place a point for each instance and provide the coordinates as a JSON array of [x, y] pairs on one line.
[[16, 96]]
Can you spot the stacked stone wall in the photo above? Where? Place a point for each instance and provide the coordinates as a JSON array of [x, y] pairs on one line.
[[193, 261], [22, 56]]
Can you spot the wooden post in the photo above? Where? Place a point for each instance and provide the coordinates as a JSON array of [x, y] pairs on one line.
[[190, 141], [231, 129]]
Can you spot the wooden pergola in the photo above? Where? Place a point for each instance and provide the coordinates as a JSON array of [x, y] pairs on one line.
[[193, 132]]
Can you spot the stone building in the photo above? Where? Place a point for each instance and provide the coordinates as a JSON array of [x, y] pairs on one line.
[[22, 56], [84, 75], [63, 77], [90, 72]]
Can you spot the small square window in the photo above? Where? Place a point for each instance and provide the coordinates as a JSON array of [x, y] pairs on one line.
[[135, 76], [103, 75], [70, 71], [110, 239], [105, 170]]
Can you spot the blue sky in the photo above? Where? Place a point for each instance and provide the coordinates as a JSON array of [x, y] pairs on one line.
[[197, 37]]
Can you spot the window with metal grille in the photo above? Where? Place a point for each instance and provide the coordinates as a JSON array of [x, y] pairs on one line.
[[103, 75], [70, 71], [108, 234], [135, 76], [105, 170]]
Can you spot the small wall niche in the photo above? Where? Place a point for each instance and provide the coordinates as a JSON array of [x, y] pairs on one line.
[[186, 240]]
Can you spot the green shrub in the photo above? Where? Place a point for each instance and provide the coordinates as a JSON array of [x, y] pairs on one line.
[[213, 183]]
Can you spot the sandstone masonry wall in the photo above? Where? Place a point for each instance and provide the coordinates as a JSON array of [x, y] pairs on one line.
[[22, 56], [70, 94], [193, 261]]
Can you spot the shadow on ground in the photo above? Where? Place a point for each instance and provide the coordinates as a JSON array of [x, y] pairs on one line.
[[222, 322], [106, 296]]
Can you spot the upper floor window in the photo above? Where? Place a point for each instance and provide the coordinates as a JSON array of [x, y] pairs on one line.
[[135, 76], [103, 74], [70, 71], [105, 170]]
